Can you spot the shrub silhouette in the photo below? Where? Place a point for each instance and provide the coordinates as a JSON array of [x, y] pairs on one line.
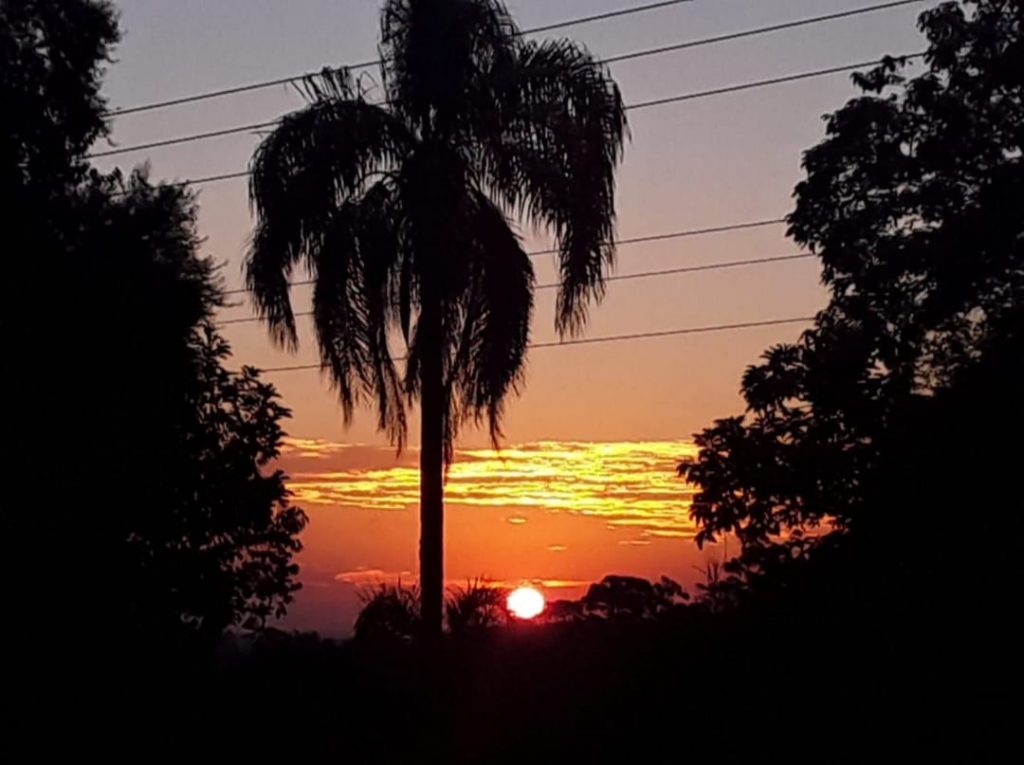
[[477, 605], [389, 612]]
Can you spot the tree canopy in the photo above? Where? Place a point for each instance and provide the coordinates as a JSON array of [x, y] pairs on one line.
[[144, 465], [913, 203], [52, 57]]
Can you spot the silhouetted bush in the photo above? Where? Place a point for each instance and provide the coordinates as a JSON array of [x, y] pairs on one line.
[[389, 612], [477, 605]]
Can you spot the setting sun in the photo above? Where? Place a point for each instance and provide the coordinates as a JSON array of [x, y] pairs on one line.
[[525, 602]]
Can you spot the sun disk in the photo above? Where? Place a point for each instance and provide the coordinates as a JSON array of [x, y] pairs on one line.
[[525, 602]]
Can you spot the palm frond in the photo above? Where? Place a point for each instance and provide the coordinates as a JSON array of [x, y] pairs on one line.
[[384, 254], [556, 138], [488, 361], [318, 158], [428, 80], [353, 263]]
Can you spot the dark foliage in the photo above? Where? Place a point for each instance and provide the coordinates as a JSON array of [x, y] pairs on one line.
[[197, 534], [913, 202], [621, 599], [145, 515], [476, 606], [51, 59], [558, 611], [871, 480], [389, 612], [630, 597]]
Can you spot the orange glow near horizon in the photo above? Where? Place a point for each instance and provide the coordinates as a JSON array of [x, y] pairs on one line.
[[525, 602], [552, 515]]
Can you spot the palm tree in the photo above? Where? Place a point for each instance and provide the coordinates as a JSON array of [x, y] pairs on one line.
[[402, 212]]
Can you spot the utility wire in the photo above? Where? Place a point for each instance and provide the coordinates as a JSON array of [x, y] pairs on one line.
[[602, 16], [634, 107], [612, 60], [680, 234], [206, 179], [766, 83], [613, 338], [806, 22], [376, 62], [633, 240], [185, 139], [615, 278]]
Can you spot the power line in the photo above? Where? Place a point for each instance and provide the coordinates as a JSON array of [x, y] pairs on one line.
[[617, 278], [612, 60], [619, 242], [602, 16], [633, 107], [212, 178], [810, 21], [766, 83], [682, 234], [614, 338], [185, 139], [367, 64], [672, 332]]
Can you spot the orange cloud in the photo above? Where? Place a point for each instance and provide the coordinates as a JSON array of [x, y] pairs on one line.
[[362, 575], [627, 484]]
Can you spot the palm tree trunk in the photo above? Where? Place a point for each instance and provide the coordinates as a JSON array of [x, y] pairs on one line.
[[432, 408]]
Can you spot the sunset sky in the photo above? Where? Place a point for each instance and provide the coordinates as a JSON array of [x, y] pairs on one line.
[[585, 485]]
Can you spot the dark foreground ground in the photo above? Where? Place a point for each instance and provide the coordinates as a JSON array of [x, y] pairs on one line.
[[826, 686]]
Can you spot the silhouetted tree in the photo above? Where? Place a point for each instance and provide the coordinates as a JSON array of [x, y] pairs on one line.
[[51, 64], [563, 611], [401, 212], [51, 58], [145, 502], [630, 597], [913, 203], [195, 533]]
